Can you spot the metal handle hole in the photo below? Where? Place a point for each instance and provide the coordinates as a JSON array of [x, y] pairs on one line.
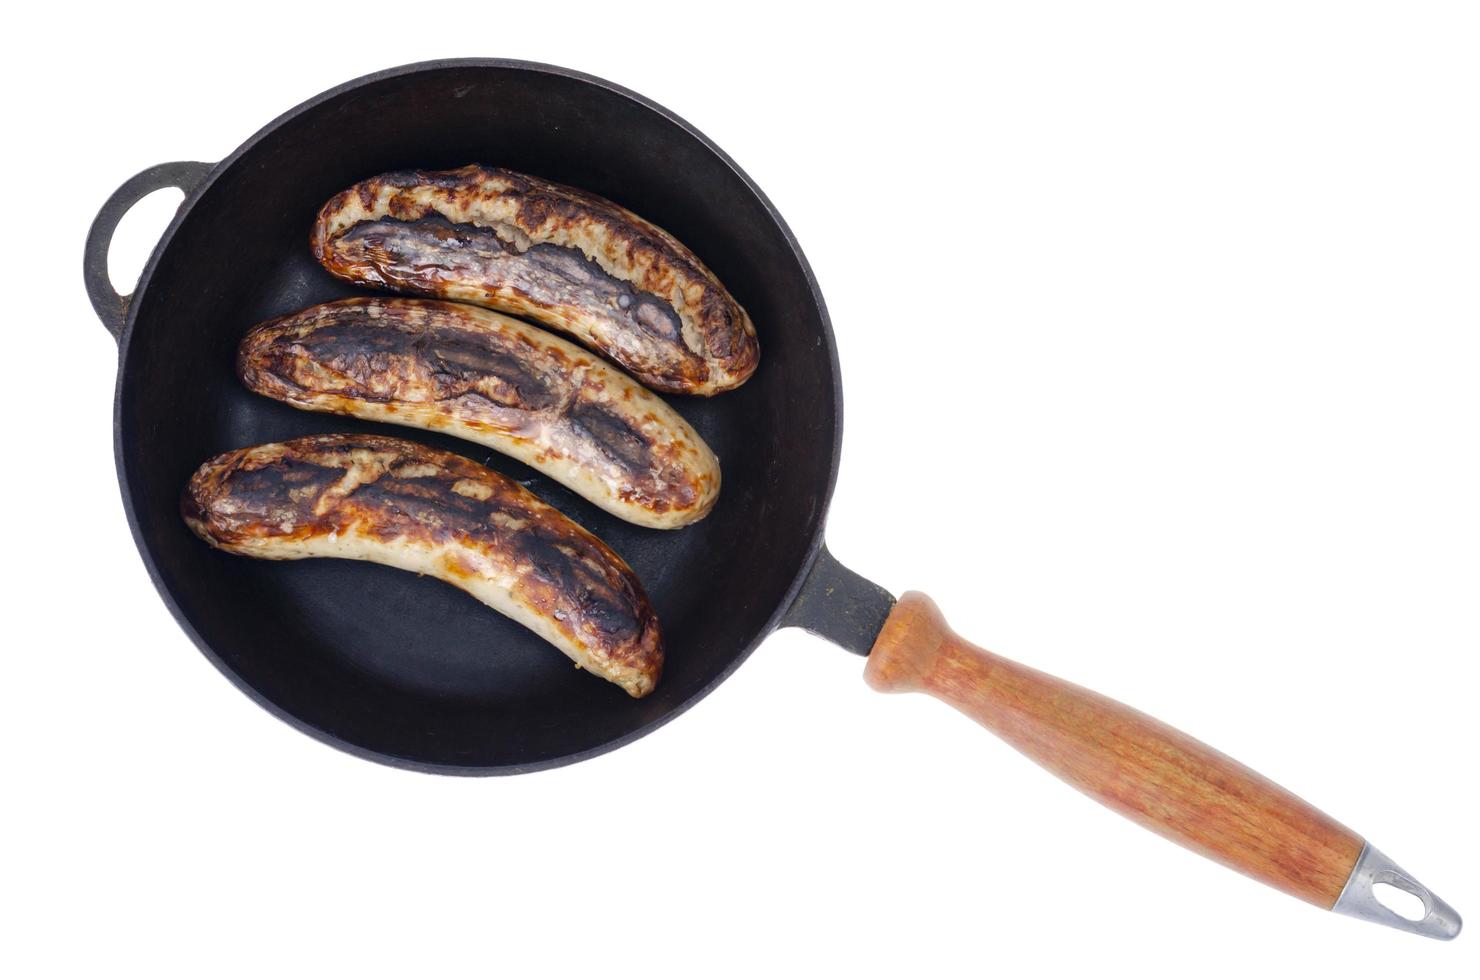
[[138, 232], [1400, 901]]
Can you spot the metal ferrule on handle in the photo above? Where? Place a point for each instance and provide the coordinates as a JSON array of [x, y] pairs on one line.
[[1440, 920]]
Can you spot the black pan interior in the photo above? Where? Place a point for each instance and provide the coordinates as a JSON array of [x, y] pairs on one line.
[[411, 671]]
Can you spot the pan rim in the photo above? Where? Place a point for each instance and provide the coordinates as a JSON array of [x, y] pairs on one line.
[[814, 544]]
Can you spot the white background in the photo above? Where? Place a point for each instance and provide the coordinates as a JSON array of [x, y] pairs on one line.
[[1160, 327]]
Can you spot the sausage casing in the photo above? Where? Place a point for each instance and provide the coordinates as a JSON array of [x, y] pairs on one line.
[[495, 381], [568, 259], [397, 503]]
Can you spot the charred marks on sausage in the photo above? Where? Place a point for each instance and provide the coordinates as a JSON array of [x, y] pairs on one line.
[[416, 254]]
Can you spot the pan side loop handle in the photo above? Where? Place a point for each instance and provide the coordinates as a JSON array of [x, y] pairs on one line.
[[111, 307], [1165, 781]]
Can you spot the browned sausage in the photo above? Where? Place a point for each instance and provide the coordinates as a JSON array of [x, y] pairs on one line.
[[496, 381], [398, 503], [567, 259]]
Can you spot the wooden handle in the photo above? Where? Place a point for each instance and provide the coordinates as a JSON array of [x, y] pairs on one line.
[[1135, 765]]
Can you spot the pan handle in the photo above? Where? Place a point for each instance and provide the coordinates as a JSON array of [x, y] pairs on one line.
[[1164, 780], [111, 307]]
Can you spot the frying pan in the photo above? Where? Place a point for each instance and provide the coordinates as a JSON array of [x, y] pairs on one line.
[[408, 672]]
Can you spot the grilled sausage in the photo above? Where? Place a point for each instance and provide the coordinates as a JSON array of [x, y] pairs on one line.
[[397, 503], [570, 260], [495, 381]]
